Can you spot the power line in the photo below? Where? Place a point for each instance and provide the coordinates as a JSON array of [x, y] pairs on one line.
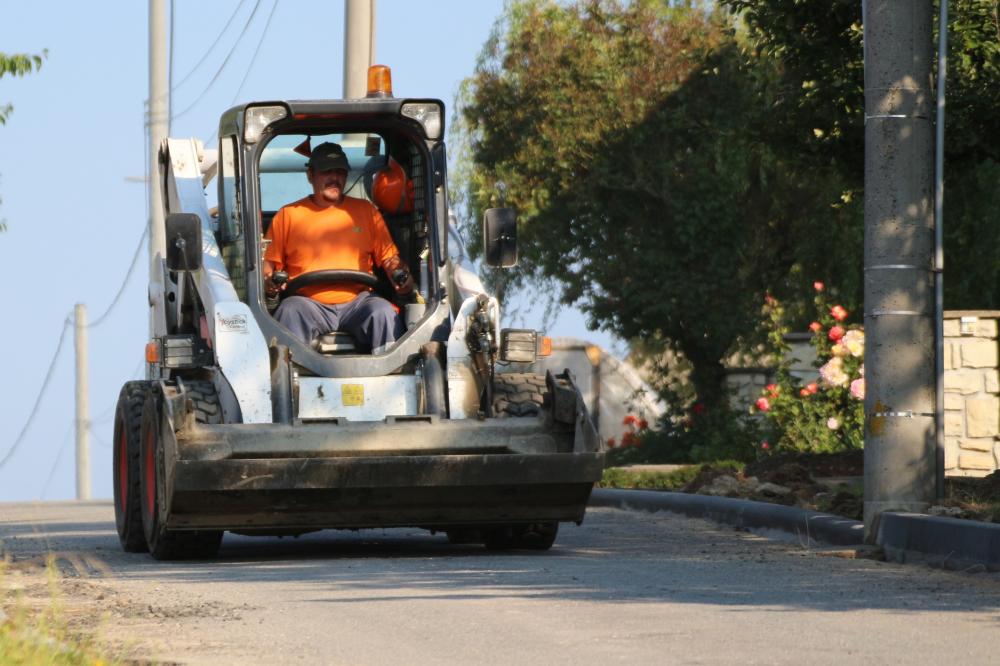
[[109, 411], [256, 52], [253, 60], [187, 76], [55, 464], [98, 438], [225, 62], [128, 275], [41, 392]]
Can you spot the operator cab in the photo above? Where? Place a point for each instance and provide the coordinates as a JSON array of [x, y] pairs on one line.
[[263, 152]]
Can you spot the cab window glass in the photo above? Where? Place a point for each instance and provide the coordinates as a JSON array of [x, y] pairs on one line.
[[230, 223], [229, 208], [283, 170]]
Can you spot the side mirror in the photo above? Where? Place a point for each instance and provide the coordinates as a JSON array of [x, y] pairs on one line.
[[183, 242], [500, 237]]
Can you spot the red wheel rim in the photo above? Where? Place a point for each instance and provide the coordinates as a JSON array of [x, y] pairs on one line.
[[122, 469], [150, 473]]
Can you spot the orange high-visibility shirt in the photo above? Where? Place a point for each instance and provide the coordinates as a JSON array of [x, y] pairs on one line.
[[349, 236]]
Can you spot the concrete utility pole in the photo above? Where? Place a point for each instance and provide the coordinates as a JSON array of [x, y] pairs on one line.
[[82, 404], [359, 46], [158, 120], [899, 243]]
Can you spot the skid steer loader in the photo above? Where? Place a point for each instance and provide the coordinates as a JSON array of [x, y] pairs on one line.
[[241, 426]]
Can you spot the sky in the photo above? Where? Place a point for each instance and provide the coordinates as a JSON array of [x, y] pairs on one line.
[[73, 159]]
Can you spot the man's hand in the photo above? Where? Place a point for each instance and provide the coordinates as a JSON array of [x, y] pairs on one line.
[[270, 288], [400, 276]]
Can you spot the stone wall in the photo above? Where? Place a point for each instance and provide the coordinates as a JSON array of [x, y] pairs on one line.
[[971, 390]]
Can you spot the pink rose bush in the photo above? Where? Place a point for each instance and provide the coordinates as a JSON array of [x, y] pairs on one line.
[[833, 373], [815, 416]]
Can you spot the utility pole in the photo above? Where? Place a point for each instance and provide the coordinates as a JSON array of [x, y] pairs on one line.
[[158, 121], [900, 456], [359, 46], [82, 404]]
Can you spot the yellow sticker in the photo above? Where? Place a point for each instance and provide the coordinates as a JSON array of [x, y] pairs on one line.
[[352, 395]]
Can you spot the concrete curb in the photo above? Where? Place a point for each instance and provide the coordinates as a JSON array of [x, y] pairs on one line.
[[952, 543], [811, 525]]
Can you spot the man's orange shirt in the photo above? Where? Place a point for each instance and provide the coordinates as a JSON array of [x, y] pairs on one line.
[[349, 236]]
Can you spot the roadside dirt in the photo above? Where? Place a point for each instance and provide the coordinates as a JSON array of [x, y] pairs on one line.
[[77, 593], [846, 463], [821, 482], [832, 482]]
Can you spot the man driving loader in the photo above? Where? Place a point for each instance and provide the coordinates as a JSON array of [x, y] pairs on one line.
[[328, 230]]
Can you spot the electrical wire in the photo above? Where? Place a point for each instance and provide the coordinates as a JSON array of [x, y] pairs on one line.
[[246, 75], [222, 32], [55, 464], [256, 52], [225, 62], [97, 438], [128, 275], [41, 393], [135, 374]]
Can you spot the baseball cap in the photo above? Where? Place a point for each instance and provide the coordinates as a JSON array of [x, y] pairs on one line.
[[328, 156]]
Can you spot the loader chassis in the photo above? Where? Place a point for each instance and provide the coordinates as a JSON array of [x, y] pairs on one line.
[[241, 426]]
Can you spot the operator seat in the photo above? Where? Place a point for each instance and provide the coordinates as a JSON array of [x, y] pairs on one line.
[[336, 342]]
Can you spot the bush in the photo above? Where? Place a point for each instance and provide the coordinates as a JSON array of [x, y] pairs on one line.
[[824, 416], [692, 435]]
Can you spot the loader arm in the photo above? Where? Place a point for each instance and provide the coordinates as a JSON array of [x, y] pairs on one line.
[[235, 337]]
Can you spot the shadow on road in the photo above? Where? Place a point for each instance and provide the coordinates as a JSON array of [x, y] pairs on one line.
[[615, 557]]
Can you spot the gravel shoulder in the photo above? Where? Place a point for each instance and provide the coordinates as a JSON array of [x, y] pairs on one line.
[[624, 587]]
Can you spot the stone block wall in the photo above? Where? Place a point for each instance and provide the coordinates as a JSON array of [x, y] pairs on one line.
[[971, 392]]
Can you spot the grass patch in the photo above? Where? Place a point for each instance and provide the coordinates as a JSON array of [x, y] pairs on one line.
[[979, 499], [33, 636], [674, 480]]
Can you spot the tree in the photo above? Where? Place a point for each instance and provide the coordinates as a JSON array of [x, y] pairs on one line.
[[18, 64], [815, 47], [627, 137]]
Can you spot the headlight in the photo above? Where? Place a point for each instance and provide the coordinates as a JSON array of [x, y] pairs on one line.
[[427, 114], [259, 117]]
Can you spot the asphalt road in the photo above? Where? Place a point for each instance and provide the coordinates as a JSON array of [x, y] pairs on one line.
[[624, 587]]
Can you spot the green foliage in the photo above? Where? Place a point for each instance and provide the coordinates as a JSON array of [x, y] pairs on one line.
[[18, 64], [627, 136], [825, 416], [43, 637], [672, 163], [691, 435], [673, 480], [815, 48]]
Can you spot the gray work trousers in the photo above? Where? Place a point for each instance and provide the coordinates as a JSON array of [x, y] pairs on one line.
[[371, 320]]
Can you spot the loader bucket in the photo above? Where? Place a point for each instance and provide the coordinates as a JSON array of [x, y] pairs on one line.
[[419, 471]]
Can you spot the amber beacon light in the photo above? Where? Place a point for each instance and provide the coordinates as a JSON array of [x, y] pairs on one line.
[[379, 81]]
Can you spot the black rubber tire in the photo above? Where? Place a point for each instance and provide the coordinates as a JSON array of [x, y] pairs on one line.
[[519, 394], [532, 536], [125, 466], [166, 544], [203, 401]]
